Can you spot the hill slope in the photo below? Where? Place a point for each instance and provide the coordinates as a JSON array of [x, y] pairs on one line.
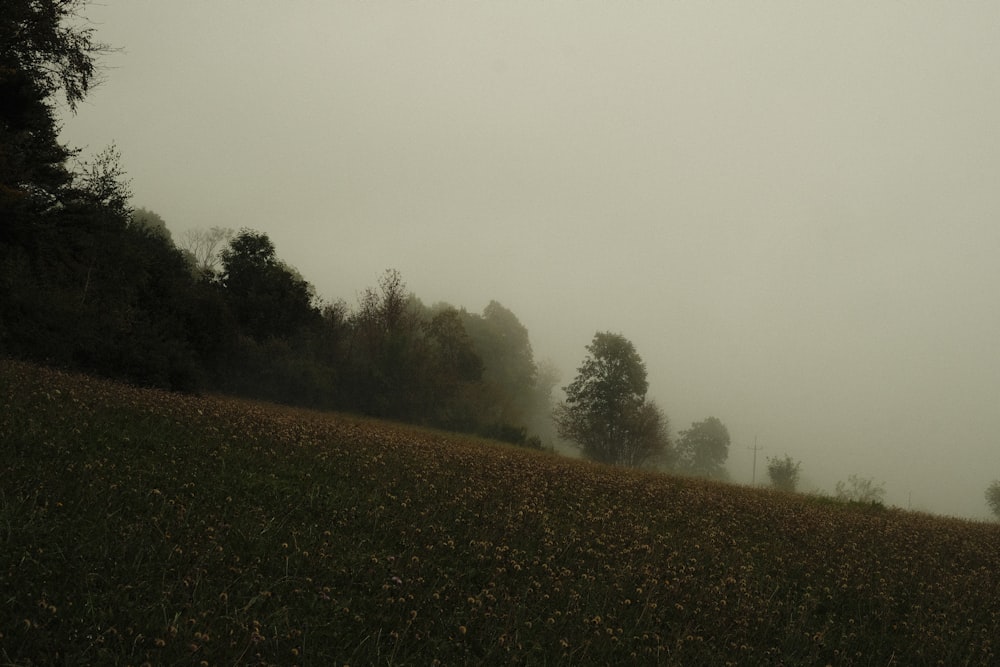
[[139, 526]]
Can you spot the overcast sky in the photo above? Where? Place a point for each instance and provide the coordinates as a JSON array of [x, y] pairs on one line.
[[790, 208]]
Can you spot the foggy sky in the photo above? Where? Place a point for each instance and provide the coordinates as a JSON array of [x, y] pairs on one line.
[[790, 208]]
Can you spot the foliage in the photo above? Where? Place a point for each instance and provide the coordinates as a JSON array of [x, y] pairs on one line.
[[784, 473], [79, 284], [89, 283], [43, 50], [702, 450], [388, 351], [44, 39], [103, 183], [606, 413], [268, 299], [152, 222], [860, 490], [453, 371], [141, 526], [509, 377], [203, 247], [993, 497]]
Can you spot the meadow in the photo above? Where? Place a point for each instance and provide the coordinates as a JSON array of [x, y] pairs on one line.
[[139, 526]]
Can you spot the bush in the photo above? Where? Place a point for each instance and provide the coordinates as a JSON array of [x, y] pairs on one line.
[[862, 490], [784, 473], [993, 498]]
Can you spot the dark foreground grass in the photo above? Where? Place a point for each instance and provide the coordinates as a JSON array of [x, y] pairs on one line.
[[143, 527]]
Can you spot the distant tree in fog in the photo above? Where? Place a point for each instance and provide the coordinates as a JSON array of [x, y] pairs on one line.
[[993, 497], [606, 413], [389, 351], [702, 450], [509, 370], [143, 218], [204, 246], [860, 490], [784, 473]]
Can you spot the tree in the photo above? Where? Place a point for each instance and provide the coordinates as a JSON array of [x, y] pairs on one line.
[[102, 182], [784, 473], [267, 298], [203, 246], [703, 449], [647, 438], [541, 404], [993, 498], [605, 412], [80, 284], [509, 370], [44, 39], [452, 371], [453, 353], [43, 49], [860, 490], [152, 222], [389, 352]]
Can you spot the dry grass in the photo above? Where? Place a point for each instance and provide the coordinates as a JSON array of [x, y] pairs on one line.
[[139, 526]]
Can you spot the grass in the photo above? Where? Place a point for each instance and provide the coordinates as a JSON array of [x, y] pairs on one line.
[[144, 527]]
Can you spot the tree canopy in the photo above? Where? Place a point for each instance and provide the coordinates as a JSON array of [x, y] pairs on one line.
[[702, 450], [993, 498], [268, 299], [606, 413], [859, 489], [784, 473], [43, 51]]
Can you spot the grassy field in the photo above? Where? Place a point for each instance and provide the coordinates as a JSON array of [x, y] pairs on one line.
[[145, 527]]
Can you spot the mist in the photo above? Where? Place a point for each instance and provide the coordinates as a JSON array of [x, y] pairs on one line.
[[790, 209]]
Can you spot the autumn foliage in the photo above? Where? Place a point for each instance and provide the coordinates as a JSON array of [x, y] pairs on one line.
[[139, 526]]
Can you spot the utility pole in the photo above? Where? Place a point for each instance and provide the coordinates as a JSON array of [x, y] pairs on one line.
[[755, 449]]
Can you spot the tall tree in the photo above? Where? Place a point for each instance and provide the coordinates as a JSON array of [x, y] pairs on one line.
[[509, 370], [703, 449], [152, 222], [993, 498], [203, 247], [44, 49], [80, 284], [605, 412], [453, 371], [47, 239], [389, 351], [784, 473], [268, 298], [647, 439]]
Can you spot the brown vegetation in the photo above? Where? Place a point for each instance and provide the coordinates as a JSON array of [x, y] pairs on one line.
[[139, 525]]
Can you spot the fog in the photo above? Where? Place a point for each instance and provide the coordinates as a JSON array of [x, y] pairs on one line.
[[790, 208]]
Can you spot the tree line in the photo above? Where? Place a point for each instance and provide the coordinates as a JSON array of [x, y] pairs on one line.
[[88, 282], [91, 283]]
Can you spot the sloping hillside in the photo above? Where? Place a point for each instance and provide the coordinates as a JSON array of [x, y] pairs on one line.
[[142, 526]]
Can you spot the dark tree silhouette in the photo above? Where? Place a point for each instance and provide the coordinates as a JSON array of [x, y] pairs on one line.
[[606, 413], [703, 449]]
